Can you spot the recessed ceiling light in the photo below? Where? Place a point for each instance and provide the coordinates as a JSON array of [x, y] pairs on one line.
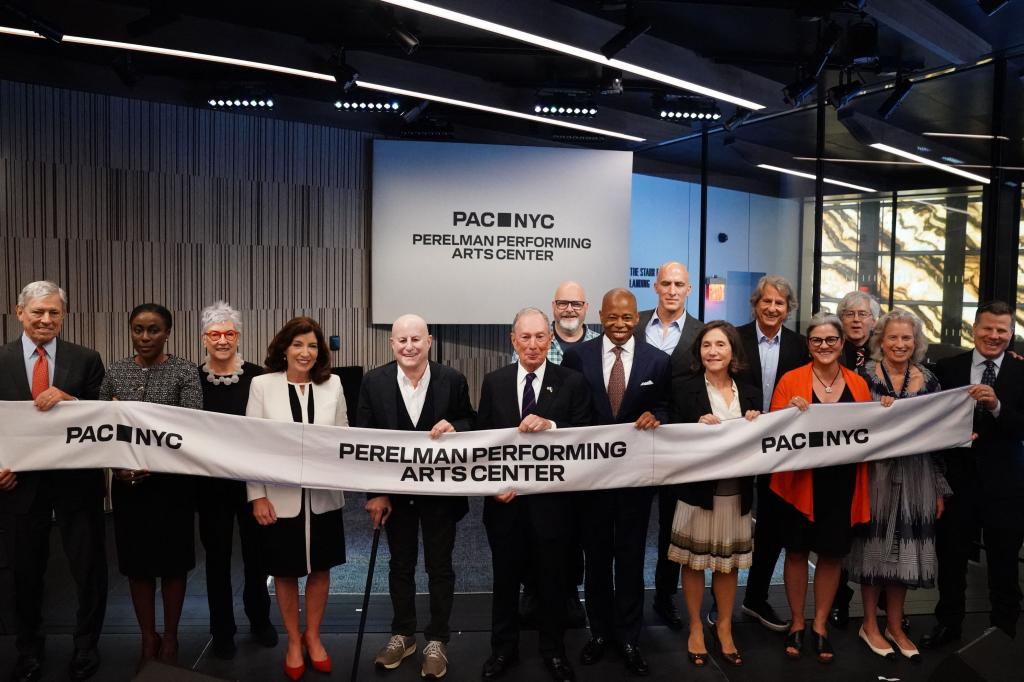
[[809, 176], [929, 162], [571, 50]]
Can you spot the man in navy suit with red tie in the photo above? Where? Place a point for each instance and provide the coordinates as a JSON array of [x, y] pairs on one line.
[[532, 395], [629, 384]]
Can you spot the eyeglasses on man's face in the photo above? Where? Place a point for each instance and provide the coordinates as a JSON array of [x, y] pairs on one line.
[[575, 305], [819, 341], [856, 314], [214, 336]]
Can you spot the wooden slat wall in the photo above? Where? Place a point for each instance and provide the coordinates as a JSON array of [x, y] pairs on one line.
[[124, 202]]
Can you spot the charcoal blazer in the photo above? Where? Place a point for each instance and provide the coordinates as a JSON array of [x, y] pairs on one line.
[[564, 399], [650, 380], [448, 398], [680, 356], [690, 403], [78, 372], [792, 354]]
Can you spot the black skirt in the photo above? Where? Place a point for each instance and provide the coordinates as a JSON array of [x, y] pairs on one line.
[[830, 534], [154, 522], [283, 543]]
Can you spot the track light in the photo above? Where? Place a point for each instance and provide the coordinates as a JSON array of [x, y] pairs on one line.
[[565, 109], [243, 99], [344, 75], [38, 24], [611, 81], [895, 99], [738, 118], [621, 40], [686, 109], [363, 105], [796, 93], [862, 43], [841, 95], [410, 116], [396, 32]]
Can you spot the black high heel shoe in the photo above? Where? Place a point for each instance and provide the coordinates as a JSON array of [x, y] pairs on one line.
[[795, 641], [734, 658], [823, 649]]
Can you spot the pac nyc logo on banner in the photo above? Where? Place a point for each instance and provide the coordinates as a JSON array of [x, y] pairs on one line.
[[134, 435]]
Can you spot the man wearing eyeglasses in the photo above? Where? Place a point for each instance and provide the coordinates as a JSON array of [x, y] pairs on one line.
[[858, 311], [672, 330]]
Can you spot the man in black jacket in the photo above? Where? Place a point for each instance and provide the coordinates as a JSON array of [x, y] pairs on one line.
[[414, 394], [532, 395], [987, 478], [39, 366], [629, 384], [771, 350]]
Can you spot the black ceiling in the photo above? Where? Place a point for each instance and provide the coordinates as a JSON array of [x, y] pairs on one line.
[[744, 48]]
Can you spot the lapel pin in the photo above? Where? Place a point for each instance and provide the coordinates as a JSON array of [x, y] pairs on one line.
[[549, 389]]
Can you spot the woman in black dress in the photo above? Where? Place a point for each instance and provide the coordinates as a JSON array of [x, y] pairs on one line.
[[154, 513], [225, 380]]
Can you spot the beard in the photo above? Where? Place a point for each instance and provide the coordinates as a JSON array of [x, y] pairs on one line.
[[569, 324]]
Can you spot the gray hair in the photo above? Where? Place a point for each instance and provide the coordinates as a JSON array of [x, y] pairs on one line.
[[855, 297], [41, 289], [781, 284], [530, 311], [822, 318], [899, 315], [220, 313]]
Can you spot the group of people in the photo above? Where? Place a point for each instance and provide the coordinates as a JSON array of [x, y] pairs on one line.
[[889, 526]]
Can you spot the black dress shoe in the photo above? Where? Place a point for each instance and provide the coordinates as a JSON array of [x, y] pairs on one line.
[[29, 668], [766, 615], [223, 647], [940, 636], [559, 669], [635, 662], [593, 651], [497, 665], [265, 634], [84, 664], [666, 610]]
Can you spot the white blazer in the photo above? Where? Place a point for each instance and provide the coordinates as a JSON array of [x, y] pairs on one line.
[[268, 399]]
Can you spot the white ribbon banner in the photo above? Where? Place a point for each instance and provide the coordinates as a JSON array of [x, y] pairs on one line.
[[135, 435]]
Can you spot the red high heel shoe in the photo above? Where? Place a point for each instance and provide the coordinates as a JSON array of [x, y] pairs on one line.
[[323, 665], [295, 673]]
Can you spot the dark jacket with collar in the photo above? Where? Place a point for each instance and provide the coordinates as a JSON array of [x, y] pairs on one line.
[[564, 398], [448, 398], [78, 372], [690, 403], [792, 354], [680, 356]]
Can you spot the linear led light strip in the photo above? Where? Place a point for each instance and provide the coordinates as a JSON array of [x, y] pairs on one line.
[[968, 136], [928, 162], [809, 176], [263, 66], [571, 50]]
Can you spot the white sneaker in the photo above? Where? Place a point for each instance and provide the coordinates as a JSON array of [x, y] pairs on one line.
[[398, 648], [435, 660]]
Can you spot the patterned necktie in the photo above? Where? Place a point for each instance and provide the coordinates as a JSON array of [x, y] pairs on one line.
[[988, 377], [862, 354], [40, 373], [616, 382], [529, 399]]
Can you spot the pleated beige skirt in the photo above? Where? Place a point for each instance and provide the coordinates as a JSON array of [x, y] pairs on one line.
[[719, 539]]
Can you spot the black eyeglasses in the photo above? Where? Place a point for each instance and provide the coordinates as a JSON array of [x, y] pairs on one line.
[[817, 341], [575, 305]]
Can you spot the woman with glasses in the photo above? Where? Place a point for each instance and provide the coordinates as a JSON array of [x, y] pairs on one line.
[[226, 378], [823, 503], [896, 551], [154, 513]]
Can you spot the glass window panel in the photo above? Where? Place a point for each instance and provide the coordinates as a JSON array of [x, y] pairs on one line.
[[838, 277], [918, 278], [967, 328], [883, 281], [931, 317], [921, 225], [840, 228]]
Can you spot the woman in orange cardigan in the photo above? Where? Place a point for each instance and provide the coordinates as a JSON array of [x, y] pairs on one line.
[[825, 503]]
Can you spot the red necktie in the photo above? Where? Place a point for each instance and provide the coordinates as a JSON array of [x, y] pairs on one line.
[[40, 373]]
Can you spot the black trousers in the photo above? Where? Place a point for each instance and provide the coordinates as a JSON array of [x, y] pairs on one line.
[[955, 533], [666, 573], [82, 535], [614, 543], [516, 549], [221, 503], [767, 543], [403, 527]]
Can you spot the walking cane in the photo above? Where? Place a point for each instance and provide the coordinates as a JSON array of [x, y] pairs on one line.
[[366, 603]]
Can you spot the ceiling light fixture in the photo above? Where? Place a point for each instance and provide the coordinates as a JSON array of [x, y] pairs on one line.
[[899, 93], [42, 28], [840, 96], [929, 162], [363, 106], [795, 93], [809, 176], [323, 77], [571, 50], [968, 136], [565, 109], [344, 75], [738, 118]]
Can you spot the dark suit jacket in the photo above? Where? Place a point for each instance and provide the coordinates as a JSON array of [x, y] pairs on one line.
[[996, 459], [690, 403], [650, 380], [564, 399], [681, 358], [448, 391], [792, 354], [79, 372]]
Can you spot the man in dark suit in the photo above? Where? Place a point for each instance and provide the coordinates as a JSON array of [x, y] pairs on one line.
[[629, 384], [531, 395], [671, 329], [414, 394], [771, 350], [39, 366], [987, 478]]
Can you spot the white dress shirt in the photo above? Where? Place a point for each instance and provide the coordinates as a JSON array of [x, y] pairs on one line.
[[32, 354], [414, 397], [608, 358], [537, 382], [978, 369]]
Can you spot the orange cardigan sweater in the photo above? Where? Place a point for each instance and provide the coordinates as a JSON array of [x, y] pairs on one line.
[[796, 487]]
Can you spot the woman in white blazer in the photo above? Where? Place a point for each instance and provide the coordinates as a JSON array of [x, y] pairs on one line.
[[301, 531]]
